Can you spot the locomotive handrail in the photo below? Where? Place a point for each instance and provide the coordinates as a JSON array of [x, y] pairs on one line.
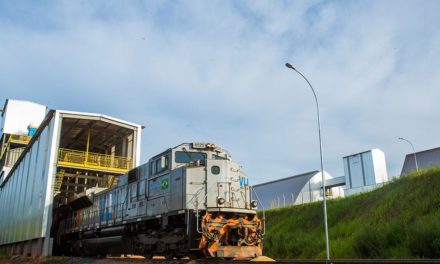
[[264, 211], [197, 204], [197, 218], [86, 218], [195, 195], [93, 217]]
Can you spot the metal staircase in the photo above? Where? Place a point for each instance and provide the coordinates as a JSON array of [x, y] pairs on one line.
[[112, 181], [58, 182]]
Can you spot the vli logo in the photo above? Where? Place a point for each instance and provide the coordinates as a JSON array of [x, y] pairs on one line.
[[244, 181]]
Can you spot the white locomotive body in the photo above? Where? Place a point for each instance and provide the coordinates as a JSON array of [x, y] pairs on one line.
[[189, 200]]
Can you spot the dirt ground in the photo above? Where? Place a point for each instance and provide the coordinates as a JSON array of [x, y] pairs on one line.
[[77, 260]]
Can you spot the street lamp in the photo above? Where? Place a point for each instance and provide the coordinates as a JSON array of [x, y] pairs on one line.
[[327, 247], [414, 151]]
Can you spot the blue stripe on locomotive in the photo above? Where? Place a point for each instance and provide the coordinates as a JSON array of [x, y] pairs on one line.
[[108, 197], [115, 202], [101, 208]]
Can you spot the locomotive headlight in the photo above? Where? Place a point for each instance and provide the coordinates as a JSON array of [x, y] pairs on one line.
[[254, 204], [220, 200]]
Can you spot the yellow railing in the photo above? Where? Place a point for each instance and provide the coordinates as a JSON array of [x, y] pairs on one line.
[[14, 139], [19, 139], [90, 160]]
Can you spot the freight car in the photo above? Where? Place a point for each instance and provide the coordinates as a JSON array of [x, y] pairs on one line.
[[191, 200]]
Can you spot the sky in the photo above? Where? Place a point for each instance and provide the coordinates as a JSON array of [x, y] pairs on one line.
[[213, 71]]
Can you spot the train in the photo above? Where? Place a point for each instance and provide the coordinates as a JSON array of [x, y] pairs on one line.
[[188, 201]]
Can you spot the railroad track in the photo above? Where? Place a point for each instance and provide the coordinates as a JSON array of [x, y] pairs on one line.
[[295, 261], [345, 261], [359, 261], [211, 261]]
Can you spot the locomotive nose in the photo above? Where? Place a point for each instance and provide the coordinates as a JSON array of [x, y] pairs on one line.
[[231, 236]]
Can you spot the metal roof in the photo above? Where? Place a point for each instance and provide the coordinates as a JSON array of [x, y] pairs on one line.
[[362, 152], [96, 116], [287, 188], [425, 159], [302, 176]]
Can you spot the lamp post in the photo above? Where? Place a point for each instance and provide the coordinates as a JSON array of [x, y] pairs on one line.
[[327, 247], [414, 151]]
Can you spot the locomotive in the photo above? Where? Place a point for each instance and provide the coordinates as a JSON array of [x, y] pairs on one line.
[[191, 200]]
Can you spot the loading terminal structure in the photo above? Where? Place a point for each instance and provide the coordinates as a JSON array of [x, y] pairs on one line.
[[49, 157]]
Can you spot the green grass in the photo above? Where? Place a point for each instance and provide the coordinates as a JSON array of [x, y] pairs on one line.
[[399, 220]]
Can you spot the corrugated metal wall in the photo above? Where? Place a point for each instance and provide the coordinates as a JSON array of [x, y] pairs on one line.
[[24, 194]]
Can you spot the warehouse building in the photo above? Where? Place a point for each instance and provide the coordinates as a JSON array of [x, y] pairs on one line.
[[425, 159], [363, 171], [297, 189], [47, 158]]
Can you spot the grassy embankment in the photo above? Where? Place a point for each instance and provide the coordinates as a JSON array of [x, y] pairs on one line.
[[399, 220]]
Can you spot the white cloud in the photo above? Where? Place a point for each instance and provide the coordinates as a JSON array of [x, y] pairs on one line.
[[214, 71]]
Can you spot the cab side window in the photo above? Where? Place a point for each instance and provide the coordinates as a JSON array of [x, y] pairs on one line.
[[160, 164]]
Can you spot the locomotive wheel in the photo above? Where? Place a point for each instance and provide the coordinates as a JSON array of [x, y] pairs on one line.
[[194, 255], [84, 252], [80, 250], [169, 254], [160, 247], [102, 254], [148, 255]]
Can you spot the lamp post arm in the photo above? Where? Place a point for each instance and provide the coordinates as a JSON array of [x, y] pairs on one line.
[[321, 161], [414, 151], [311, 87], [319, 123]]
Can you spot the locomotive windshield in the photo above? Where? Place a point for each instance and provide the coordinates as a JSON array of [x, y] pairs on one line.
[[218, 157], [188, 157]]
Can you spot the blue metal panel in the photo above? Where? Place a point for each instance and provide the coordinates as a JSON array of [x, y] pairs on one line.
[[108, 200], [101, 208]]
